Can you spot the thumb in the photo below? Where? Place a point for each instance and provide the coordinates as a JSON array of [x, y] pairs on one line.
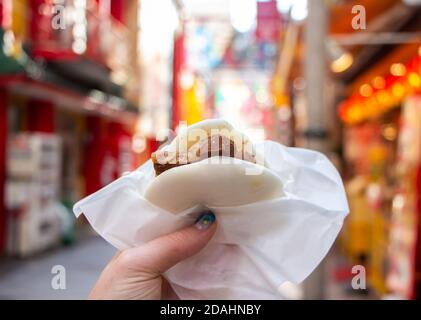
[[162, 253]]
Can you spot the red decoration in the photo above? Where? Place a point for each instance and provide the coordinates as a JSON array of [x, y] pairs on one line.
[[178, 63], [118, 10], [268, 22], [41, 116], [153, 145], [358, 108], [6, 14], [116, 134], [94, 153], [40, 21]]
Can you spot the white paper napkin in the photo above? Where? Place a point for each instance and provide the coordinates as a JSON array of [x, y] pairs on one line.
[[256, 247]]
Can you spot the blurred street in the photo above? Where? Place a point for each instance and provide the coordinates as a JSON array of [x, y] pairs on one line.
[[91, 89], [83, 263]]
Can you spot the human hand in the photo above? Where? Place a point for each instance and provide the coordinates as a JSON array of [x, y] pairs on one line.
[[136, 273]]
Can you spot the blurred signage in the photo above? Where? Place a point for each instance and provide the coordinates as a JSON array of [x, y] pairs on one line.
[[268, 22]]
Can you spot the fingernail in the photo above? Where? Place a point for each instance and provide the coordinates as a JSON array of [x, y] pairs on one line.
[[205, 220]]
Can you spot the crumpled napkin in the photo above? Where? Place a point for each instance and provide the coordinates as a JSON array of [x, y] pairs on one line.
[[257, 246]]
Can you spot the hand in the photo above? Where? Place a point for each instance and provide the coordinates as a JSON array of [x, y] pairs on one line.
[[136, 273]]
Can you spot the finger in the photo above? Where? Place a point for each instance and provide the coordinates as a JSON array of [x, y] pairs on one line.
[[167, 291], [161, 254], [116, 255]]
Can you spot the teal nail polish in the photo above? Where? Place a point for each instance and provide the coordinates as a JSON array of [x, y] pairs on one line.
[[205, 220]]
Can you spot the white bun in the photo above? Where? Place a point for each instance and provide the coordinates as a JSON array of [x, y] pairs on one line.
[[214, 182]]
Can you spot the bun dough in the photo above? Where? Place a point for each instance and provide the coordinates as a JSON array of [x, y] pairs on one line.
[[213, 182]]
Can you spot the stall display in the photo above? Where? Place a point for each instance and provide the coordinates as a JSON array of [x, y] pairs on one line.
[[405, 223], [385, 204], [370, 154], [355, 237], [32, 198]]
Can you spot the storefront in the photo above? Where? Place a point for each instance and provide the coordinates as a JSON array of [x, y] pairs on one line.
[[69, 108], [383, 161]]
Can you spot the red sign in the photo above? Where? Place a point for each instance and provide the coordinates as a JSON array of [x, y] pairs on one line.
[[268, 22]]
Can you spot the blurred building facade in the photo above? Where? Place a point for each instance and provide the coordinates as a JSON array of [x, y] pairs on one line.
[[64, 95], [98, 85]]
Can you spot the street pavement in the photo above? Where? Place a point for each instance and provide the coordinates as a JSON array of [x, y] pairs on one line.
[[32, 278]]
